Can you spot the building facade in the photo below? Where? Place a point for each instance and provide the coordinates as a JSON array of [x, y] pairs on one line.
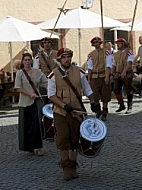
[[35, 11]]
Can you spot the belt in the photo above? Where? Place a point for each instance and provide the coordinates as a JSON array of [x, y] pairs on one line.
[[98, 72]]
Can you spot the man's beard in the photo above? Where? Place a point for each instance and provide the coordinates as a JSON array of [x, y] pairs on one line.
[[66, 66]]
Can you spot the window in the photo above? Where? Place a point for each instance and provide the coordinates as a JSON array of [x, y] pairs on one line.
[[109, 35]]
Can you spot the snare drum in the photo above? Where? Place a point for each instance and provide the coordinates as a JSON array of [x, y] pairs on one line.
[[48, 124], [92, 135]]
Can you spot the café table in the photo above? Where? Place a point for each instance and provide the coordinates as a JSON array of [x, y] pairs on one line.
[[7, 91]]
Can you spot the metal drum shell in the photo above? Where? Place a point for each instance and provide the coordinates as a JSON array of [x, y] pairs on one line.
[[47, 110], [48, 123], [90, 145]]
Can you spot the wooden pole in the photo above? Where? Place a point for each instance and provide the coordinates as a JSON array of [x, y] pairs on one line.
[[104, 51], [102, 21], [61, 10], [134, 14]]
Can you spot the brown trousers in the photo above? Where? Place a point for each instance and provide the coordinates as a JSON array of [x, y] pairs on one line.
[[67, 131], [101, 91]]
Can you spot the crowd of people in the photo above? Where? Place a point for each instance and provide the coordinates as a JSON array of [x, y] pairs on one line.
[[52, 73]]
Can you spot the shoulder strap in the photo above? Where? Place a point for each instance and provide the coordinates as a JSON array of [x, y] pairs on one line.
[[32, 84], [73, 88]]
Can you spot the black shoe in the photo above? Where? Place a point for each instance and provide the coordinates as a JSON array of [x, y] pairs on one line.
[[121, 108]]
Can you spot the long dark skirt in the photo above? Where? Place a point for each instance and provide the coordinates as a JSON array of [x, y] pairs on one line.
[[30, 128]]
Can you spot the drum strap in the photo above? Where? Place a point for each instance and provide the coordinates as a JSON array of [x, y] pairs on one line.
[[32, 84], [73, 88]]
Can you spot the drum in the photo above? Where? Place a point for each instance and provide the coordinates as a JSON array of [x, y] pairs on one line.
[[48, 124], [92, 135]]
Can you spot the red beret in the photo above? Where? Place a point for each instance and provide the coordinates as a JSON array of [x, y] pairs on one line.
[[121, 40], [98, 39], [64, 51]]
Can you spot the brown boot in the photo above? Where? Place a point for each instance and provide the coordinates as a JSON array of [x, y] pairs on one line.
[[73, 172], [65, 164]]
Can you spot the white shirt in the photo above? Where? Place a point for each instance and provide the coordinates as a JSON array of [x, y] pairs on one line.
[[130, 57], [51, 91], [109, 61], [36, 63]]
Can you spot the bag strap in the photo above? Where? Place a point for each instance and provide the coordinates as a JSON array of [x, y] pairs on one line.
[[73, 88], [32, 85], [45, 60]]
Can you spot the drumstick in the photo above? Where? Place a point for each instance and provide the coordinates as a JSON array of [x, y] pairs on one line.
[[83, 112], [41, 96]]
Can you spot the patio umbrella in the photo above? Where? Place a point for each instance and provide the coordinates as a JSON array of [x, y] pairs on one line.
[[136, 27], [15, 30], [80, 18]]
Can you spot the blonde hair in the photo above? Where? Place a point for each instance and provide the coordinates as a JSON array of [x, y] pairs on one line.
[[16, 64]]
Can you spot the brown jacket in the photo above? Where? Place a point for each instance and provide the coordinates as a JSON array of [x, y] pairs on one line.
[[120, 60], [98, 62], [64, 91], [50, 64]]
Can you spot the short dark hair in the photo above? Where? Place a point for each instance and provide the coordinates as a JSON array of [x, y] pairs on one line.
[[26, 54]]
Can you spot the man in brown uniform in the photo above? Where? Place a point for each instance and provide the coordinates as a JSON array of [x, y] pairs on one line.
[[123, 74], [46, 60], [65, 101], [99, 67]]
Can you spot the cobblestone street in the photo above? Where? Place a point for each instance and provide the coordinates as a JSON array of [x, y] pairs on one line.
[[118, 166]]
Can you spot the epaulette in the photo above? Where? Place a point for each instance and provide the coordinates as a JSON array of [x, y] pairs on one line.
[[82, 70], [37, 56], [89, 56], [130, 53], [108, 52], [51, 75]]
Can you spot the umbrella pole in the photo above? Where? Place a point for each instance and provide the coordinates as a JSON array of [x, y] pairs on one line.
[[79, 42], [11, 61], [115, 38], [11, 65]]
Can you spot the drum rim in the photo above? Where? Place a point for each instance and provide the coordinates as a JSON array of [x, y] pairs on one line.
[[95, 139], [44, 108]]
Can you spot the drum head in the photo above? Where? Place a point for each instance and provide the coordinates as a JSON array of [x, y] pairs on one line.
[[93, 129], [47, 110]]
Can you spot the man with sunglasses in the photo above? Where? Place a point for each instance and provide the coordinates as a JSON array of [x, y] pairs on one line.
[[99, 68]]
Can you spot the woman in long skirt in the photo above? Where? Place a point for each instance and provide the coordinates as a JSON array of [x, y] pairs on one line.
[[30, 107]]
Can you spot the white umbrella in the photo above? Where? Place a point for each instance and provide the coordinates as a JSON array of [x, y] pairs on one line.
[[80, 18], [15, 30], [136, 27]]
